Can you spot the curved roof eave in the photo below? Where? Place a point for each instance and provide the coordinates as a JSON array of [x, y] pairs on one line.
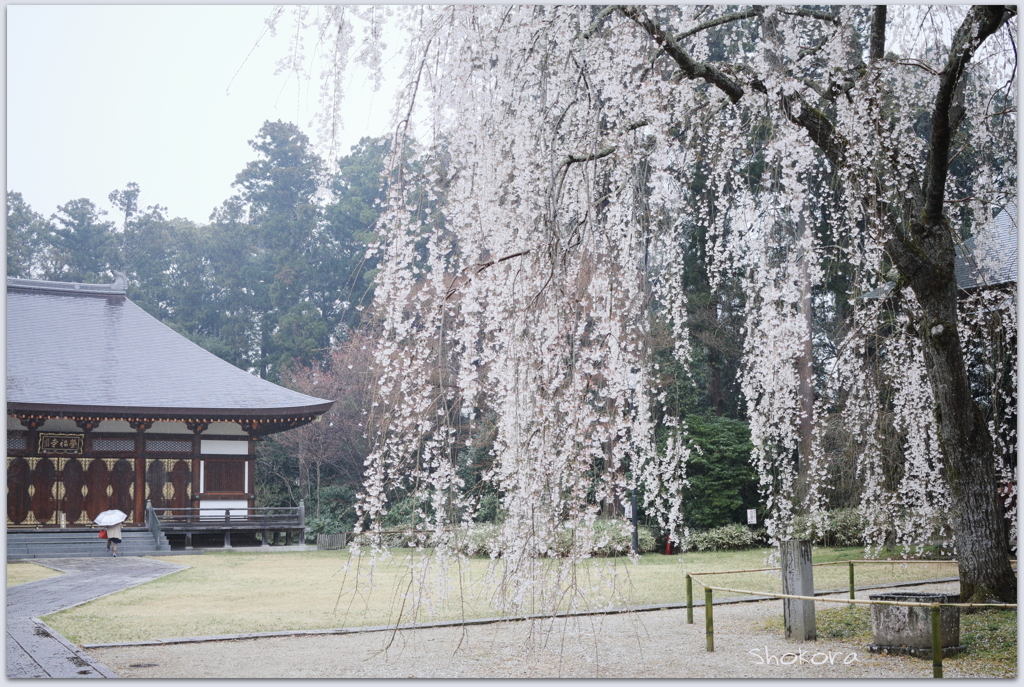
[[113, 412]]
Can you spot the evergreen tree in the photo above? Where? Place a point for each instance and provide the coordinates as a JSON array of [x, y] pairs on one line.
[[84, 247], [28, 235]]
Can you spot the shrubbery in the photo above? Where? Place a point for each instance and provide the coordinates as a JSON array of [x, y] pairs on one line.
[[337, 512], [726, 538], [841, 527], [611, 537]]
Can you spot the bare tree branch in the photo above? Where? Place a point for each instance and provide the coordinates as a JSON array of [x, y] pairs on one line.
[[814, 121], [477, 269], [573, 159], [596, 24], [724, 19], [813, 14], [690, 67], [981, 22]]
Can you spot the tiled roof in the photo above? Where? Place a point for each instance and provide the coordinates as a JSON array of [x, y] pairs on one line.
[[90, 349], [989, 258]]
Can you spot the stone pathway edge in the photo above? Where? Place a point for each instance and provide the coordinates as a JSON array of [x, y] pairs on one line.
[[76, 650]]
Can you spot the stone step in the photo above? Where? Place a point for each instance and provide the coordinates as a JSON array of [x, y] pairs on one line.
[[82, 543], [73, 554], [74, 536], [83, 546]]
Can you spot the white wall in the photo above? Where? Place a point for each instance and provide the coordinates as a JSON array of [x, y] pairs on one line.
[[225, 447]]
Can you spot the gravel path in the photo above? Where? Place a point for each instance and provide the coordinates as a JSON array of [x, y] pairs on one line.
[[652, 644]]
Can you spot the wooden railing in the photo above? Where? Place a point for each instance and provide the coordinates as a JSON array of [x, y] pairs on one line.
[[152, 521], [246, 517]]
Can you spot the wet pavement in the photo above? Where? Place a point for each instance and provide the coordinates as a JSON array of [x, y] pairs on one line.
[[33, 648]]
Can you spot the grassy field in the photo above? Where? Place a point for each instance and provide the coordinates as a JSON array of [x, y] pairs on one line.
[[235, 591], [21, 572]]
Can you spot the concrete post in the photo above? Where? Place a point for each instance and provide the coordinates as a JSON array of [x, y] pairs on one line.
[[798, 579]]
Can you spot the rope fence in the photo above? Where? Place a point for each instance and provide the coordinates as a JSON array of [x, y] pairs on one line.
[[935, 607]]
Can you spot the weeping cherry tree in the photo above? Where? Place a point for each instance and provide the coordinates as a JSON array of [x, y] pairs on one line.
[[566, 146]]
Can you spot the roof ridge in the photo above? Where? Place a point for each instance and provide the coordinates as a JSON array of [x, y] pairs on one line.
[[117, 288]]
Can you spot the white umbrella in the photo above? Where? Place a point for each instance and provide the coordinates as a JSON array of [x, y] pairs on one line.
[[110, 517]]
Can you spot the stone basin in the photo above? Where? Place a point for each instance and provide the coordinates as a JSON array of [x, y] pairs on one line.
[[908, 629]]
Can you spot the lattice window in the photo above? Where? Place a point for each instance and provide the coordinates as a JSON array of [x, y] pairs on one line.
[[113, 444], [168, 446], [16, 443]]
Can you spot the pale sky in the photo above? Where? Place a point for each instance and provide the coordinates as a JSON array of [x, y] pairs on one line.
[[165, 96]]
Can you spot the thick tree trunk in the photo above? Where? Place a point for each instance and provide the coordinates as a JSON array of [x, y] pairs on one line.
[[923, 253], [925, 259]]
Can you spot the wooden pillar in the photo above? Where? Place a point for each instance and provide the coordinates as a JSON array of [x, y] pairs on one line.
[[140, 427], [197, 428], [251, 486], [798, 579], [250, 428], [32, 441], [87, 427]]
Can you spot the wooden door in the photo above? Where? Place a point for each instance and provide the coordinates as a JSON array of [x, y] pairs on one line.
[[19, 499], [97, 479], [40, 488], [72, 477], [181, 480]]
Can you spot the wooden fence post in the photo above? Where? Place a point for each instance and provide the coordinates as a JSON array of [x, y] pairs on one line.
[[689, 599], [709, 619]]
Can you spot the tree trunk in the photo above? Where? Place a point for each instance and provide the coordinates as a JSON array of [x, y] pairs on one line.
[[923, 252], [805, 364], [925, 259], [303, 461]]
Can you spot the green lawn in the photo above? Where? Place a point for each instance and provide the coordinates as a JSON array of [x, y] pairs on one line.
[[236, 592], [21, 572]]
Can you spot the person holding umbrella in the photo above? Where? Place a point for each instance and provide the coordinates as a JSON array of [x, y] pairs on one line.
[[114, 536], [110, 521]]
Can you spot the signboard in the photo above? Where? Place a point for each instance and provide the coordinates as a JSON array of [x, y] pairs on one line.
[[61, 443], [752, 517]]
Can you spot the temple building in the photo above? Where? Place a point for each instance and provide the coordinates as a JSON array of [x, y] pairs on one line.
[[109, 408]]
